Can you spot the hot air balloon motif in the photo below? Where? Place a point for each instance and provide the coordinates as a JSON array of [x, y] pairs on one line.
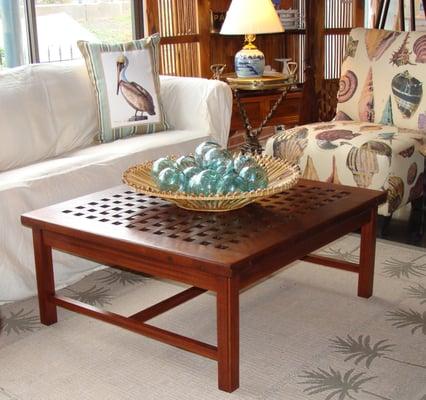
[[135, 95], [347, 86], [395, 192], [363, 164], [379, 148], [387, 116], [417, 190], [408, 93], [291, 145], [378, 41], [402, 55], [419, 48], [310, 172], [363, 161], [412, 173], [333, 178], [325, 139], [366, 102], [407, 153], [351, 48], [341, 116]]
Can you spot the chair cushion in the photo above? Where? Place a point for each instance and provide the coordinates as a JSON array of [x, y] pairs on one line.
[[127, 86], [356, 154], [383, 76]]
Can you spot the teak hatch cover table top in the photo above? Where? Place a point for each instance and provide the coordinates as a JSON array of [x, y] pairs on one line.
[[220, 252]]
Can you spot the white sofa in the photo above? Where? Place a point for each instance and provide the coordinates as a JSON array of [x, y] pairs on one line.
[[48, 153]]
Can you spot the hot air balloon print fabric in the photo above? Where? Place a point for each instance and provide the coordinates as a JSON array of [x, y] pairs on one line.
[[126, 83], [354, 153]]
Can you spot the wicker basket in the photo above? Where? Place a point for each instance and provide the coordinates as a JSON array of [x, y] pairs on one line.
[[282, 176]]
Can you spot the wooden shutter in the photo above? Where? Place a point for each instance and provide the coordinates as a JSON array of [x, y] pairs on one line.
[[184, 40], [328, 23]]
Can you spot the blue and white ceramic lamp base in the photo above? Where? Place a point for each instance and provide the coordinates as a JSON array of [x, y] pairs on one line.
[[249, 63]]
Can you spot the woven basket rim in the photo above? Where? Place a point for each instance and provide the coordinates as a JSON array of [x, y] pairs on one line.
[[264, 160]]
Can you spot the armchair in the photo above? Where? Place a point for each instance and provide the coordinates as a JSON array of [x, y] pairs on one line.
[[377, 137]]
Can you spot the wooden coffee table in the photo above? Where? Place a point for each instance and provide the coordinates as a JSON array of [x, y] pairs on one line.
[[221, 252]]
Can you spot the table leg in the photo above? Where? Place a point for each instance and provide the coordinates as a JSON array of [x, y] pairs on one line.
[[45, 279], [228, 334], [367, 256]]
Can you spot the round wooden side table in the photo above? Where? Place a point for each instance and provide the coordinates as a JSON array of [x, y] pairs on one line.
[[272, 84]]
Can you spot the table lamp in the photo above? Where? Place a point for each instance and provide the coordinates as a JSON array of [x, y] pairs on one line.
[[250, 17]]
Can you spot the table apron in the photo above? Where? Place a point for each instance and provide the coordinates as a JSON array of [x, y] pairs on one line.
[[272, 261], [106, 255]]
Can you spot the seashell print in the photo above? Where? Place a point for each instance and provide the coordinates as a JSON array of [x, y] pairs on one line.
[[387, 116], [326, 145], [395, 192], [388, 136], [341, 116], [291, 145], [379, 148], [322, 126], [369, 128], [419, 48], [402, 55], [378, 41], [422, 122], [347, 86], [408, 93], [351, 48], [366, 102], [310, 172], [407, 153], [412, 173], [334, 178], [335, 134], [363, 164], [417, 190]]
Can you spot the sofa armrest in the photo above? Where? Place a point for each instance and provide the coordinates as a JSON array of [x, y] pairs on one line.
[[198, 104]]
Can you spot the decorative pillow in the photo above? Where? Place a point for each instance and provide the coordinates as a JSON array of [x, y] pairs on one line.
[[383, 78], [127, 86]]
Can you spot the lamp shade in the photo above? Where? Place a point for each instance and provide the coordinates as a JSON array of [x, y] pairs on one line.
[[251, 17]]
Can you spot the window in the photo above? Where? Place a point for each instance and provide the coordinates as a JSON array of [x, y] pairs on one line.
[[60, 23], [48, 30], [13, 34]]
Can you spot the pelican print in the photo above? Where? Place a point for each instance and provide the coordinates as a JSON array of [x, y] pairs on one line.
[[135, 95]]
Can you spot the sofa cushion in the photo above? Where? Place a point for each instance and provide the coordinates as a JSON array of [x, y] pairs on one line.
[[357, 154], [74, 174], [38, 108], [383, 78], [127, 87]]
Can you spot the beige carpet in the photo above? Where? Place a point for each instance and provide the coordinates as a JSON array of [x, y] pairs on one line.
[[304, 335]]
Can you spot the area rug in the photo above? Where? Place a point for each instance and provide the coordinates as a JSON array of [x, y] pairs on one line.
[[304, 335]]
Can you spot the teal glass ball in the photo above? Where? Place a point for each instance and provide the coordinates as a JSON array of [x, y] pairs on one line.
[[255, 177], [188, 173], [184, 162], [170, 180], [159, 165], [204, 183], [229, 183], [216, 158], [242, 161], [202, 149]]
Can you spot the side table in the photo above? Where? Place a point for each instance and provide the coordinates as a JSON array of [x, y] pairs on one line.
[[266, 85]]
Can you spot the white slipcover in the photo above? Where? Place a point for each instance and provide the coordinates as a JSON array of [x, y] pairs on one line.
[[197, 109]]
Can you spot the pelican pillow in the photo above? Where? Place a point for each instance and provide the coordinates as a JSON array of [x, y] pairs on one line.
[[127, 87]]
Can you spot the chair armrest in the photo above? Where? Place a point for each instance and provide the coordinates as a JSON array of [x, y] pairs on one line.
[[198, 104]]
